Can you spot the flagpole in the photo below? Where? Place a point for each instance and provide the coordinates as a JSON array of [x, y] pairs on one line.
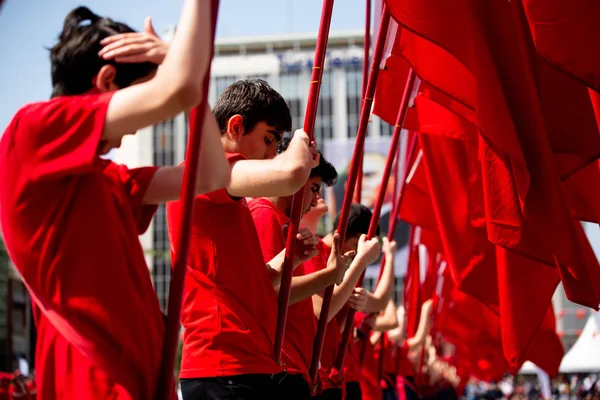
[[365, 77], [298, 199], [351, 182], [188, 192]]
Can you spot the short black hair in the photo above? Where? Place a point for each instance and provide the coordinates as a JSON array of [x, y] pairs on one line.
[[325, 170], [256, 101], [75, 59], [359, 219]]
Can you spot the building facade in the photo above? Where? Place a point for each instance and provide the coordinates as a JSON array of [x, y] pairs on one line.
[[15, 316]]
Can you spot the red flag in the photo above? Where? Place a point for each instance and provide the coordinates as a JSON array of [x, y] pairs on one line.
[[484, 59], [567, 34], [456, 193]]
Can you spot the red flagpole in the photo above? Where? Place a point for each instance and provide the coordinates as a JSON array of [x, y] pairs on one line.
[[296, 213], [349, 324], [393, 154], [188, 194], [365, 77], [351, 181]]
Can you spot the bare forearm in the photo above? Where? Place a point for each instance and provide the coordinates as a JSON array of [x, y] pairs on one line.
[[275, 267], [306, 286], [383, 291], [341, 293]]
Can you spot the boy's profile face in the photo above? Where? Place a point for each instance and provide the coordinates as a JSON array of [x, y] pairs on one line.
[[351, 244], [312, 193], [260, 143]]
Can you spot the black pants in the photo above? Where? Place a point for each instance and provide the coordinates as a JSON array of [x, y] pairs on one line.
[[294, 387], [389, 394], [238, 387], [330, 394], [353, 391]]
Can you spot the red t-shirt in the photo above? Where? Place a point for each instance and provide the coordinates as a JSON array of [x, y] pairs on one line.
[[369, 379], [300, 327], [71, 222], [355, 346], [229, 309], [329, 378], [389, 362]]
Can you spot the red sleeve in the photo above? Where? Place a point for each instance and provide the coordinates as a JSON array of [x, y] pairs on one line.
[[270, 233], [61, 137], [318, 262], [136, 183]]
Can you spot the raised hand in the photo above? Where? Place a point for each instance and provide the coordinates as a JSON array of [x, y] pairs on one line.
[[368, 250], [135, 47], [338, 263], [358, 299], [389, 248], [306, 246]]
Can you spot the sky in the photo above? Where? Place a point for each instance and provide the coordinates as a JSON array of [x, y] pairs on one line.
[[29, 27]]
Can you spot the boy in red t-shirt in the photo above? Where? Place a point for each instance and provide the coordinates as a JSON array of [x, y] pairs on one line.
[[71, 220], [271, 217], [368, 251], [229, 307]]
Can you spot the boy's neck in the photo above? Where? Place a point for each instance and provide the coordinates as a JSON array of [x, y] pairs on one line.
[[281, 203], [328, 239], [229, 146]]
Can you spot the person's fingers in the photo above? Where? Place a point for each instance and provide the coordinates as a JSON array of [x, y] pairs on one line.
[[138, 58], [336, 245], [119, 36], [122, 47], [135, 43], [311, 241], [349, 254], [303, 234], [139, 39], [148, 27]]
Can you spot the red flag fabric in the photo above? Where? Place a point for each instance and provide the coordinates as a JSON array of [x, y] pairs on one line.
[[456, 191], [412, 283], [566, 35], [484, 58]]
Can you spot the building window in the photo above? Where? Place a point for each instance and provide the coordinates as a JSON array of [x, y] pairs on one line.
[[161, 258], [324, 121], [163, 155], [353, 99], [290, 88], [264, 77], [222, 82], [385, 129]]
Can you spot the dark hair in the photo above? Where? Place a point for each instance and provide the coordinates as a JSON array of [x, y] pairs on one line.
[[359, 219], [256, 101], [325, 170], [75, 59]]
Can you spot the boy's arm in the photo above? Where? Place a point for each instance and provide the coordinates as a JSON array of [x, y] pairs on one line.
[[281, 176], [214, 171], [178, 84], [305, 250], [308, 285], [378, 300], [367, 252], [388, 320]]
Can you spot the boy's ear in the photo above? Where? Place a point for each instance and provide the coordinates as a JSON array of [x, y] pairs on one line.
[[235, 127], [104, 81]]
